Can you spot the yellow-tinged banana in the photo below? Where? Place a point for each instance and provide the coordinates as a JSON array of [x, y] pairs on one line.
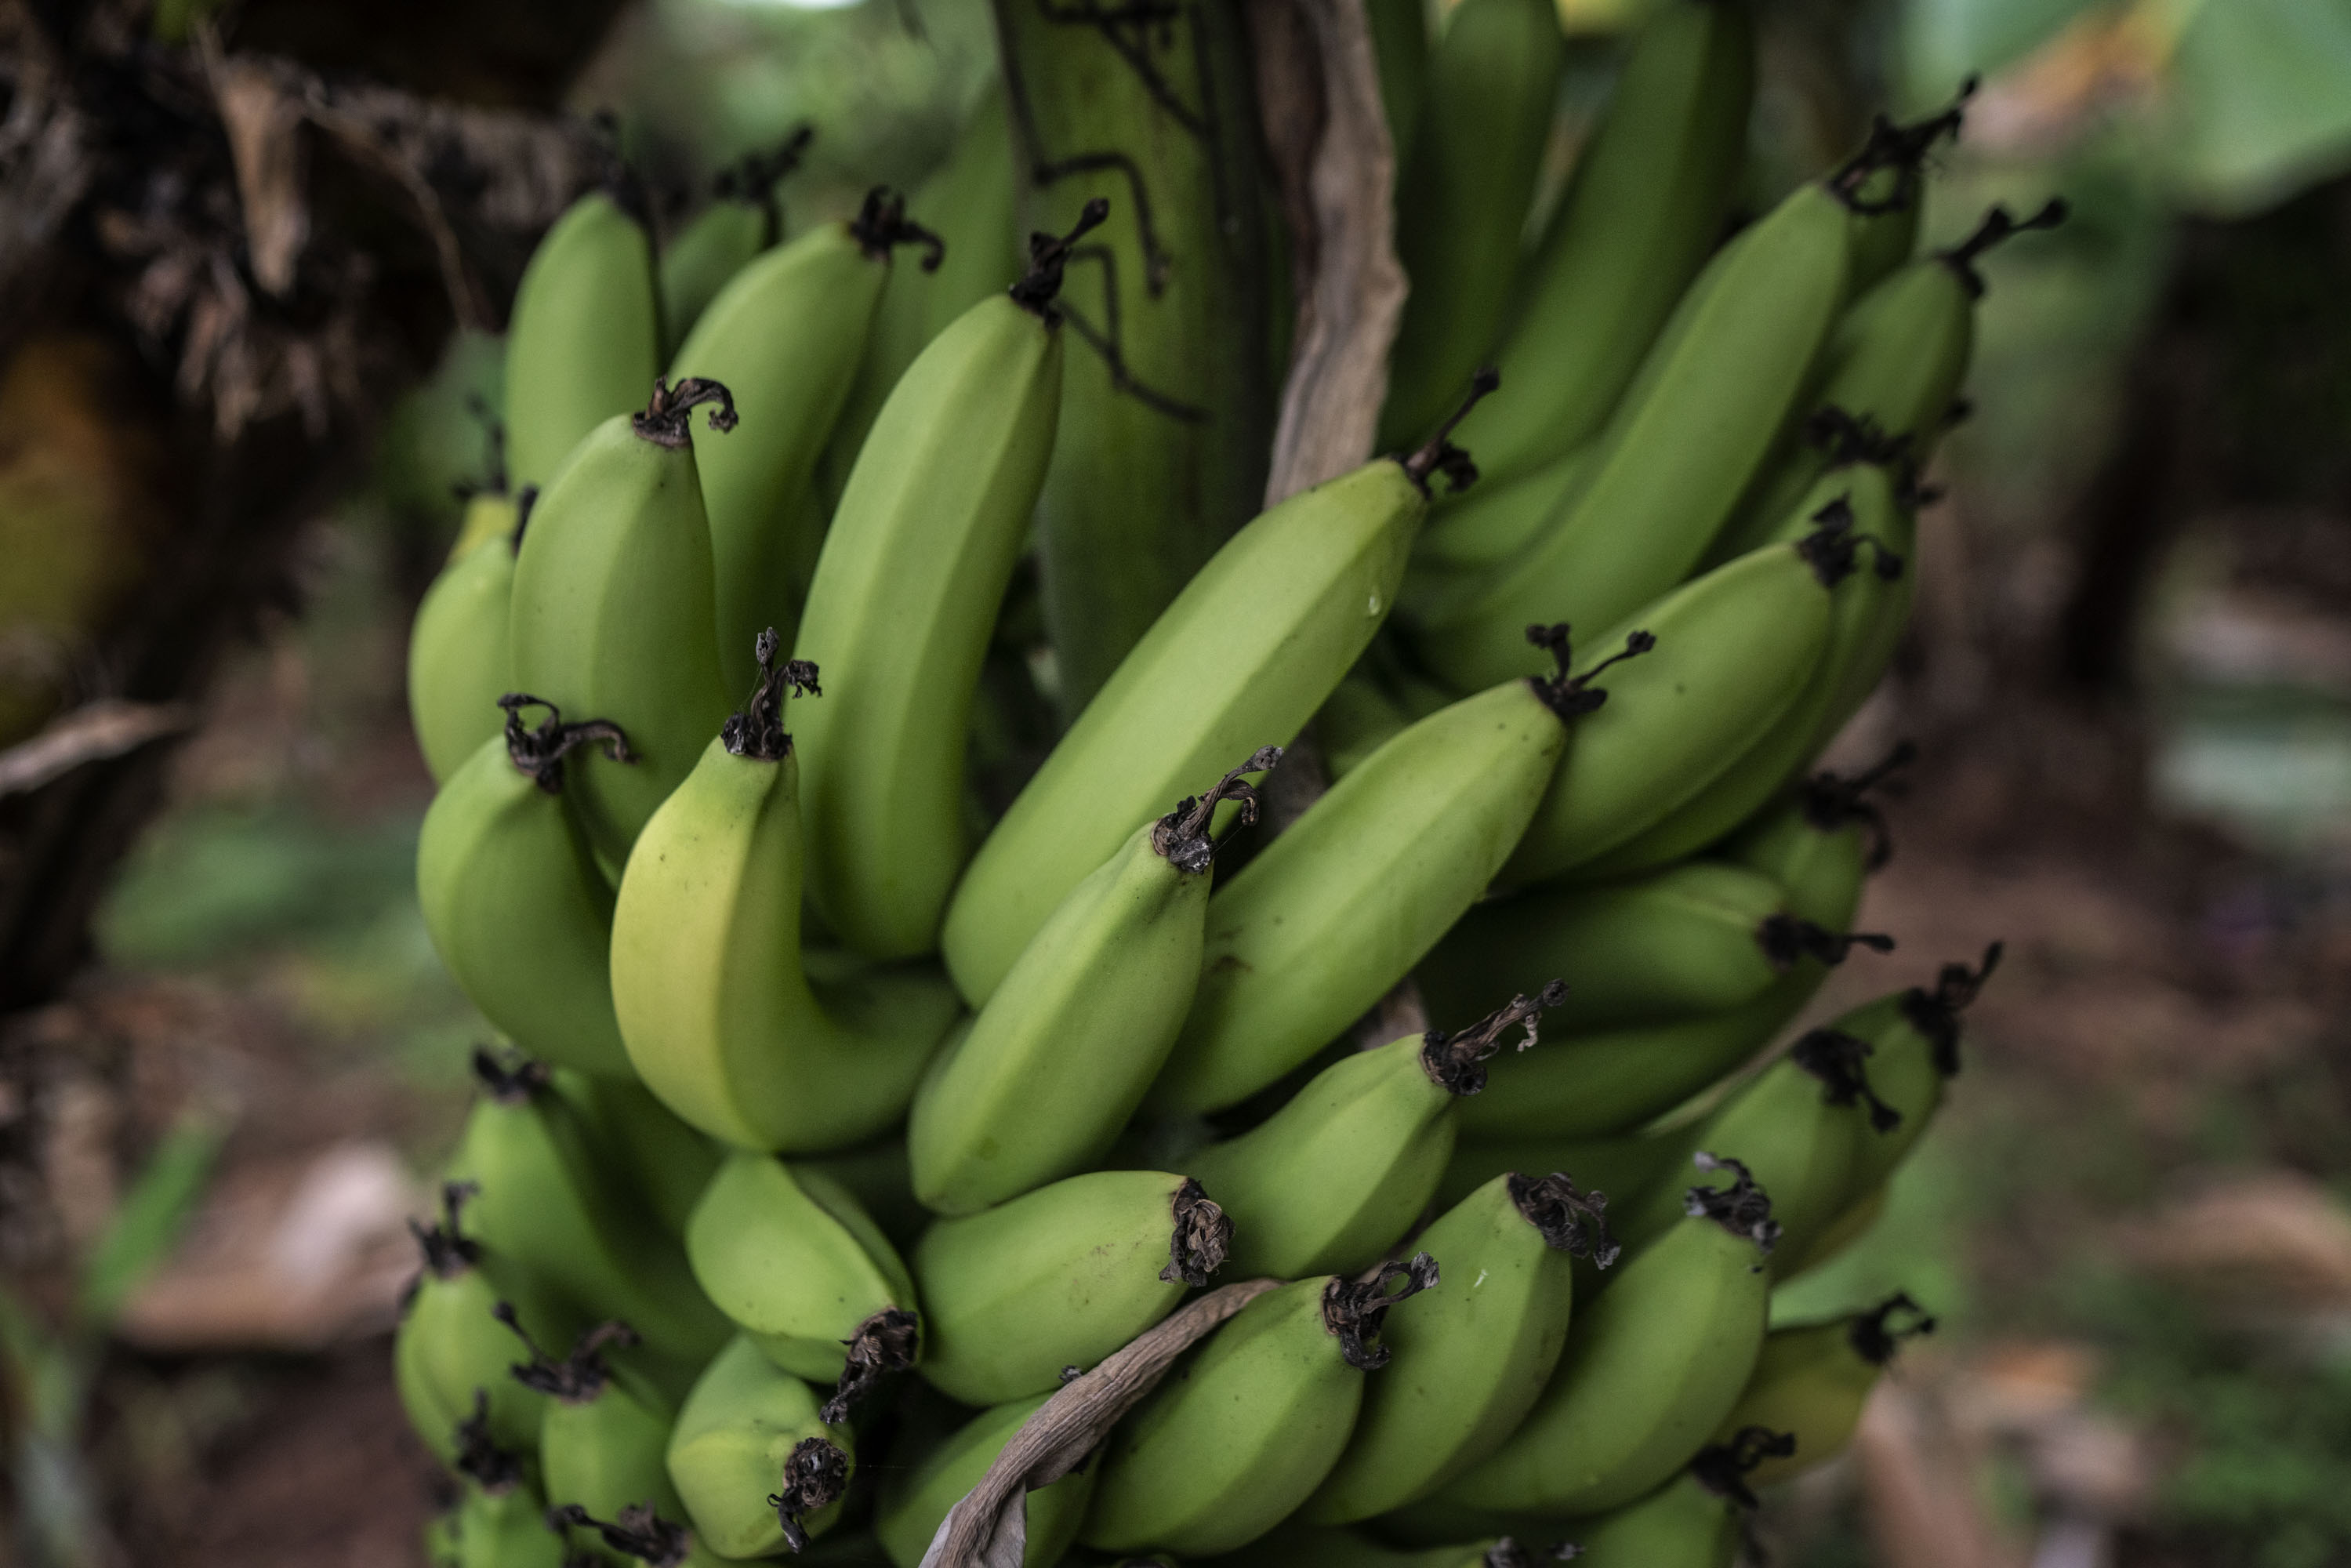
[[1645, 206], [1231, 1444], [904, 603], [1340, 907], [916, 1499], [758, 1470], [585, 341], [744, 219], [1247, 650], [796, 1261], [1650, 1369], [1059, 1277], [1470, 1362], [457, 665], [1338, 1174], [1809, 1384], [1057, 1061], [784, 338], [612, 611], [721, 1015], [511, 897]]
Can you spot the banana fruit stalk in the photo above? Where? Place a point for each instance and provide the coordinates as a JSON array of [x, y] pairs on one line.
[[457, 645], [721, 1017], [757, 1470], [1220, 1455], [1040, 1083], [585, 340], [1810, 1383], [914, 1501]]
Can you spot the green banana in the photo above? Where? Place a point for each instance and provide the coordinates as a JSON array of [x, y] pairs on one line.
[[784, 338], [1340, 907], [914, 1501], [1483, 532], [1470, 1363], [1340, 1172], [1462, 198], [724, 1017], [1890, 200], [1811, 1380], [905, 596], [1734, 649], [450, 1351], [796, 1262], [1679, 449], [1647, 202], [758, 1470], [1867, 615], [458, 644], [545, 1201], [743, 219], [1910, 1042], [1684, 1523], [1695, 938], [1256, 640], [603, 1445], [612, 611], [511, 897], [1060, 1277], [661, 1158], [1057, 1061], [1650, 1368], [1231, 1445], [500, 1520], [585, 339]]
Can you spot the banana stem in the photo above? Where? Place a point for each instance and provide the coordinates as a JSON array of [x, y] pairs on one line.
[[665, 420], [539, 752], [1202, 1237], [1834, 548], [1182, 838], [1785, 938], [480, 1460], [1572, 696], [1871, 1334], [1742, 1208], [1840, 1062], [884, 1343], [753, 177], [1722, 1468], [1437, 454], [1831, 801], [883, 222], [1353, 1310], [1568, 1221], [1998, 224], [1456, 1061], [756, 731], [1936, 1014], [638, 1532], [1048, 255], [511, 1080], [815, 1474], [1900, 148], [579, 1378]]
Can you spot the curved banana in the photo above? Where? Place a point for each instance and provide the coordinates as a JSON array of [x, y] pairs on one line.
[[744, 219], [545, 1201], [457, 644], [1249, 650], [789, 1255], [1650, 1369], [1470, 1363], [916, 1499], [1462, 197], [612, 611], [1645, 204], [784, 338], [584, 342], [1218, 1456], [1060, 1277], [1338, 908], [757, 1469], [721, 1015], [1338, 1174], [1811, 1380], [511, 897], [1057, 1061], [904, 602]]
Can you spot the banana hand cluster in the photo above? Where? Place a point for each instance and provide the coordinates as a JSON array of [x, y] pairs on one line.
[[859, 1091]]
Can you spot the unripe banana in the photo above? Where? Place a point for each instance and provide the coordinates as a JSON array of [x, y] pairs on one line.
[[511, 897], [1057, 1061], [458, 644], [1058, 1278], [916, 1499], [1890, 199], [546, 1203], [1470, 1362], [451, 1352], [1734, 650], [1342, 905], [904, 603], [1645, 204], [758, 1468], [585, 341], [604, 1446], [1247, 650], [501, 1521], [1482, 533], [658, 1156], [1694, 939], [722, 1017], [743, 219], [1910, 1044], [795, 1260], [1650, 1369], [1811, 1380], [785, 338], [1228, 1449], [1337, 1176], [612, 610], [1462, 199]]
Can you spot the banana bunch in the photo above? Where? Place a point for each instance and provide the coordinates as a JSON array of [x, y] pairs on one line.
[[853, 1103]]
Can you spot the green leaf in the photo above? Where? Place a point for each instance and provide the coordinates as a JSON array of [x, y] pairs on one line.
[[2259, 100], [150, 1220]]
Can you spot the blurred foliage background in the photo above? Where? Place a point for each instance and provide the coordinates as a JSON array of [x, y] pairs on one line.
[[2131, 674]]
